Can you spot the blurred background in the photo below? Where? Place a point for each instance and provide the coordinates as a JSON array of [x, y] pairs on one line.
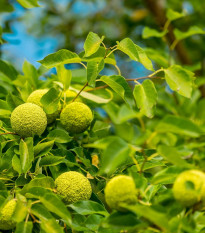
[[32, 34]]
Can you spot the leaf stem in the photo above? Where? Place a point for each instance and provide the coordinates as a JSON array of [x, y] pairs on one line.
[[83, 65], [110, 52], [118, 70]]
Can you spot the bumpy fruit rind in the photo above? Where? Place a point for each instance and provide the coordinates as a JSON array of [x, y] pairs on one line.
[[6, 213], [35, 98], [120, 190], [189, 187], [76, 117], [28, 120], [73, 186]]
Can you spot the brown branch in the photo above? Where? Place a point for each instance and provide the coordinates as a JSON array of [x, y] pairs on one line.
[[86, 84], [128, 80], [8, 133], [158, 11]]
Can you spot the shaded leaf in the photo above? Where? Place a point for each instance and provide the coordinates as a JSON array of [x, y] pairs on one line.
[[24, 227], [88, 207], [59, 135], [145, 96], [51, 160], [43, 148], [149, 32], [180, 80], [178, 125]]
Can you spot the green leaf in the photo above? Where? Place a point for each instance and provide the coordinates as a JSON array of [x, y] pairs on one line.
[[145, 96], [98, 56], [93, 69], [59, 135], [173, 15], [178, 125], [115, 154], [192, 31], [135, 52], [92, 43], [147, 212], [29, 3], [43, 148], [16, 164], [51, 202], [119, 85], [21, 209], [8, 70], [26, 154], [172, 155], [88, 207], [149, 32], [50, 101], [51, 160], [64, 76], [180, 80], [50, 225], [41, 212], [167, 175], [31, 74], [44, 182], [13, 101], [63, 56], [24, 227]]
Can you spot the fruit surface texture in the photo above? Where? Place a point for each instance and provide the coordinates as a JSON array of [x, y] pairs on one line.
[[189, 187], [120, 190], [73, 187], [76, 117], [28, 120]]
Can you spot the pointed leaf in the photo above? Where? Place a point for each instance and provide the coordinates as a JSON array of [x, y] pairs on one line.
[[92, 43], [43, 148], [145, 96], [178, 125], [180, 80], [93, 69], [63, 56], [149, 32], [64, 76], [29, 3], [134, 52], [173, 15], [192, 31], [26, 154]]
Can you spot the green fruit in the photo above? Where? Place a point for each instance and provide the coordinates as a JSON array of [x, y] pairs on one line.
[[73, 187], [35, 98], [6, 213], [189, 187], [70, 95], [28, 120], [120, 190], [76, 117]]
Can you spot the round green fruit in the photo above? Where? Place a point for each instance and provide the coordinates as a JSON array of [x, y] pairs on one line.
[[189, 187], [28, 120], [120, 190], [35, 98], [76, 117], [6, 213], [73, 186], [70, 95]]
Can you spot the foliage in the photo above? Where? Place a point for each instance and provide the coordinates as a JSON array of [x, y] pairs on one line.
[[150, 128]]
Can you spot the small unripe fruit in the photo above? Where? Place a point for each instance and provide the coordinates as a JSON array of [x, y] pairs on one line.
[[28, 120], [70, 95], [35, 98], [73, 186], [120, 190], [189, 187], [6, 213], [76, 117]]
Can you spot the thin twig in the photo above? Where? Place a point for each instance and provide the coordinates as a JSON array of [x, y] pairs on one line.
[[86, 84], [8, 133], [128, 80]]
